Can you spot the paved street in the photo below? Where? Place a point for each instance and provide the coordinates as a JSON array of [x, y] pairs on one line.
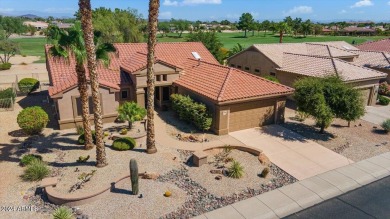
[[377, 114], [285, 147], [370, 201]]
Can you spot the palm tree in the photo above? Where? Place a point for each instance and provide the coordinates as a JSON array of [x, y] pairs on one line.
[[71, 44], [100, 52], [153, 21], [282, 28]]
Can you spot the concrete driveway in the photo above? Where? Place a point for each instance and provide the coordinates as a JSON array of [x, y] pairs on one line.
[[377, 114], [298, 156]]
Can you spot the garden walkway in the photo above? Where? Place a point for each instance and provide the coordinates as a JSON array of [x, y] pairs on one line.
[[298, 156]]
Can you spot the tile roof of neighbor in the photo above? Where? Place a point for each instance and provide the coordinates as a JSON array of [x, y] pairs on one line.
[[221, 83], [324, 66], [372, 59], [379, 45], [322, 49], [63, 75]]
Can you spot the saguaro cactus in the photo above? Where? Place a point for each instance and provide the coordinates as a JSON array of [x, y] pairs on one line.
[[134, 176]]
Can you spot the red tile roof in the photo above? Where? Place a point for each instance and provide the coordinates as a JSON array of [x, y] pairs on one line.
[[63, 75], [138, 62], [379, 45], [220, 83]]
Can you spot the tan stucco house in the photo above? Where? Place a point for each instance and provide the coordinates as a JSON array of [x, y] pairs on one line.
[[291, 61], [237, 100]]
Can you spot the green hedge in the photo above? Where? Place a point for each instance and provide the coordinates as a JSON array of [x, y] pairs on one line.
[[7, 98], [383, 100], [191, 111], [124, 144], [5, 66], [32, 120], [386, 125], [28, 85], [81, 139]]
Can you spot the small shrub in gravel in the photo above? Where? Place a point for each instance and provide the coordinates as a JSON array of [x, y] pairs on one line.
[[81, 139], [63, 213], [32, 120], [386, 125], [124, 144], [27, 159], [79, 129], [236, 170], [265, 172], [5, 66], [383, 100], [7, 97], [36, 170], [28, 85]]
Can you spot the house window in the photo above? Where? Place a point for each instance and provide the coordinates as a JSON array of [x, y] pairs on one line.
[[246, 68], [158, 77], [239, 66], [165, 77], [272, 74], [257, 70], [166, 93], [232, 65], [124, 94]]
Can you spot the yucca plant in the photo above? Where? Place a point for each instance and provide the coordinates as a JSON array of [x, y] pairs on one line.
[[236, 170], [36, 170], [63, 213]]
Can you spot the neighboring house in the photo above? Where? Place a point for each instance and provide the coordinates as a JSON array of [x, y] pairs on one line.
[[236, 100], [62, 25], [379, 45], [39, 25], [291, 61]]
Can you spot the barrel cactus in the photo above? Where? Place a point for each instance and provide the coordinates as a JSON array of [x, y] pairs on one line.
[[134, 176]]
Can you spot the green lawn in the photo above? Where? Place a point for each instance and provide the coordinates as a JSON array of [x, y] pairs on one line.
[[231, 39], [35, 46]]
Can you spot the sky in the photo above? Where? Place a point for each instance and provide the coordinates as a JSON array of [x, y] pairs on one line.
[[208, 10]]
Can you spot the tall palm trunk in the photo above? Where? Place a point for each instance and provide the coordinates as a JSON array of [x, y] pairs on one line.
[[153, 20], [86, 24], [84, 99], [280, 36]]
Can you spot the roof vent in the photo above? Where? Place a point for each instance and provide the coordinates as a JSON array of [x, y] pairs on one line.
[[196, 56], [346, 47]]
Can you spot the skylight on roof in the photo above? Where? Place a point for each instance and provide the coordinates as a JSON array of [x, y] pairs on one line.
[[196, 55]]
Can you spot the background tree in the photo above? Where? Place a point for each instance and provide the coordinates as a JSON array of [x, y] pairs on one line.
[[180, 26], [210, 40], [318, 29], [31, 29], [282, 28], [225, 22], [12, 25], [246, 22], [164, 28], [131, 112], [8, 49], [236, 49], [266, 25], [296, 25], [154, 6], [307, 27]]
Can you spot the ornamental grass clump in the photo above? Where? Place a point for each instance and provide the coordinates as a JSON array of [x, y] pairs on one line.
[[36, 170], [236, 170], [63, 213]]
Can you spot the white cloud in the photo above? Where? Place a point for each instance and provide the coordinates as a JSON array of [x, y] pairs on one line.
[[299, 10], [165, 15], [191, 2], [343, 12], [362, 3], [6, 9], [388, 3], [170, 3]]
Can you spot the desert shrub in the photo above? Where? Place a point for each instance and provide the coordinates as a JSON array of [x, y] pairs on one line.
[[23, 63], [236, 170], [7, 98], [124, 144], [24, 55], [63, 213], [81, 139], [383, 100], [5, 66], [386, 125], [79, 129], [32, 120], [123, 131], [27, 159], [265, 172], [27, 85], [36, 170], [191, 111], [384, 89]]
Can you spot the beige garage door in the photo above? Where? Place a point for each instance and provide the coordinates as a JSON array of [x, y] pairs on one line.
[[252, 114], [366, 95]]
